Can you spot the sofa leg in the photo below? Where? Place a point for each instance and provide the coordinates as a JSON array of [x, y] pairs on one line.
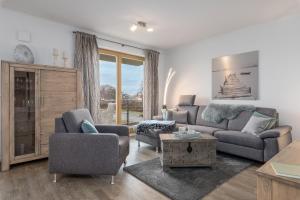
[[112, 180], [54, 178]]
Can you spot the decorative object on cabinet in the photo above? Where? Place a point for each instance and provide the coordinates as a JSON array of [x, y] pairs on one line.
[[23, 54], [32, 97], [55, 55], [65, 59]]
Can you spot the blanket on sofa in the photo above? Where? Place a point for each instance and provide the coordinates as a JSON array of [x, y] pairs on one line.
[[145, 126], [216, 113]]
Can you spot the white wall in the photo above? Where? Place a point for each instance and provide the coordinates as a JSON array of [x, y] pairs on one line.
[[46, 35], [278, 43]]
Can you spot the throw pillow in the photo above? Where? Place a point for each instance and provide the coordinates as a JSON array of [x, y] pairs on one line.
[[257, 124], [88, 127], [170, 113], [273, 120], [180, 116]]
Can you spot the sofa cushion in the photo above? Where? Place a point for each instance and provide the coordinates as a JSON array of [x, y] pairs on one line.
[[88, 127], [204, 129], [186, 100], [201, 122], [192, 113], [180, 116], [73, 119], [241, 120], [239, 138], [258, 123]]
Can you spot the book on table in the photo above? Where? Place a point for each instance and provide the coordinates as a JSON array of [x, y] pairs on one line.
[[287, 170]]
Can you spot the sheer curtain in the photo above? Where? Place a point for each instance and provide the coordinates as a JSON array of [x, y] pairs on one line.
[[151, 84], [86, 60]]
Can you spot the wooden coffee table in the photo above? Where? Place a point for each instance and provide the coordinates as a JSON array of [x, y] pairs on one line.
[[195, 152]]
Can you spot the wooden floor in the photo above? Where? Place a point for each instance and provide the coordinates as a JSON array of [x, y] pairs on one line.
[[32, 181]]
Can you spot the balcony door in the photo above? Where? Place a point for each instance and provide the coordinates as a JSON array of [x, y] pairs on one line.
[[121, 87]]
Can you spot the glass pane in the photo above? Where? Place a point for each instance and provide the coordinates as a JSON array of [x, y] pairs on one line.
[[108, 85], [24, 113], [132, 91]]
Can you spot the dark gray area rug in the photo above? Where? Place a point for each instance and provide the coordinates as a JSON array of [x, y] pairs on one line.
[[188, 183]]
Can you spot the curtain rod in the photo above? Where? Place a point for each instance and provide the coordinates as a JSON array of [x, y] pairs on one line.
[[119, 43]]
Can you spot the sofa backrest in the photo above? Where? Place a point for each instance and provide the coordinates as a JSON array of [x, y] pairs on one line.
[[60, 126], [74, 118], [192, 113], [201, 122], [241, 120]]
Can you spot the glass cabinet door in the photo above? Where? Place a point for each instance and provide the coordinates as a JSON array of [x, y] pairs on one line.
[[24, 112]]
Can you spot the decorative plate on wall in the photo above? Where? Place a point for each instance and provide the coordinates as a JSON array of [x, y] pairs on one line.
[[23, 54]]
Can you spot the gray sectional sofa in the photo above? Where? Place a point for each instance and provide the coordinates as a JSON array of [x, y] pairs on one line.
[[231, 139]]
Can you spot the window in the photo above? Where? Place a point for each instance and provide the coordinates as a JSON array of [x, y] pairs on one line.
[[121, 85]]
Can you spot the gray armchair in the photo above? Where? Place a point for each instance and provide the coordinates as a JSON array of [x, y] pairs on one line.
[[74, 152]]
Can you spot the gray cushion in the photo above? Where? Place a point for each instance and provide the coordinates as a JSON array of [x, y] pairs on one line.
[[239, 138], [180, 116], [192, 113], [257, 124], [204, 129], [241, 120], [200, 121], [186, 100], [74, 118]]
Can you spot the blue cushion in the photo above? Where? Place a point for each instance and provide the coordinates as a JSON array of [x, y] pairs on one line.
[[88, 127]]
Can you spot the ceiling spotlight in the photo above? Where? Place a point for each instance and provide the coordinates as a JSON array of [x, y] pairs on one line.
[[141, 25], [133, 27], [150, 29]]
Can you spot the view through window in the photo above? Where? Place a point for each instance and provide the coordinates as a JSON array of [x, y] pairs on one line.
[[121, 88]]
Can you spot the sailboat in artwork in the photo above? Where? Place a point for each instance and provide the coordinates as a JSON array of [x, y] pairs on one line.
[[234, 88]]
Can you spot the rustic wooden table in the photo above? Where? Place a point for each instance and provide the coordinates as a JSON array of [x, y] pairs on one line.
[[191, 152], [273, 187]]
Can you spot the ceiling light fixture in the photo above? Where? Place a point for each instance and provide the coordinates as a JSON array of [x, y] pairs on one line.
[[141, 25]]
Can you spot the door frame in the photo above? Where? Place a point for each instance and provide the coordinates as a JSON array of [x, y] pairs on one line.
[[119, 55]]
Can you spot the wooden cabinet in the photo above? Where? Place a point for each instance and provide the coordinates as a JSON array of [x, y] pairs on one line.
[[271, 186], [32, 97]]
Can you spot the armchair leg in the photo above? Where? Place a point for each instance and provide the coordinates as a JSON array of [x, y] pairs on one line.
[[112, 180], [54, 178], [139, 144]]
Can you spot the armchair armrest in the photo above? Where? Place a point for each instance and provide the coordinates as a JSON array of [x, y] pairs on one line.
[[117, 129], [276, 132], [78, 153]]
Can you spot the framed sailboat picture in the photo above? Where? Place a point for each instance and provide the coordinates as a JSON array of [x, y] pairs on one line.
[[236, 76]]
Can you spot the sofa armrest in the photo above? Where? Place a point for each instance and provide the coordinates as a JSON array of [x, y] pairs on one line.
[[276, 132], [158, 117], [79, 153], [117, 129]]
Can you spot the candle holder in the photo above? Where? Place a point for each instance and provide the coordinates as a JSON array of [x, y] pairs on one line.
[[55, 55]]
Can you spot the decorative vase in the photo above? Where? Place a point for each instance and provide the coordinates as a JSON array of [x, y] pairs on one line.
[[164, 112]]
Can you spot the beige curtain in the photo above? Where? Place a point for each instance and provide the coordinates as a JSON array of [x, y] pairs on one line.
[[151, 84], [86, 60]]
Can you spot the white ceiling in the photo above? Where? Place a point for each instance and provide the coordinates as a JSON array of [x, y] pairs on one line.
[[176, 22]]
